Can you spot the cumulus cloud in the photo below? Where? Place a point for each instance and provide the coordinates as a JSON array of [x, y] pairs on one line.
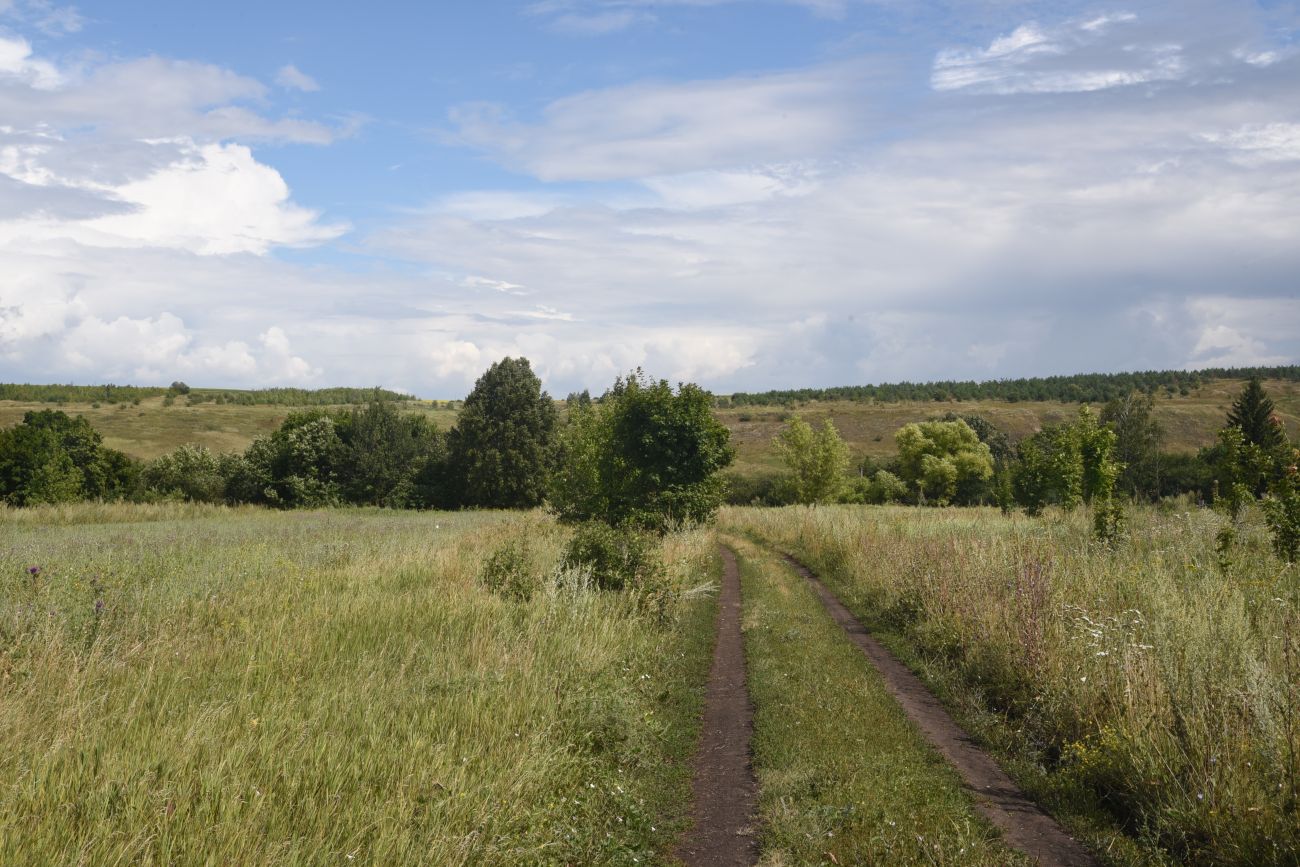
[[210, 199]]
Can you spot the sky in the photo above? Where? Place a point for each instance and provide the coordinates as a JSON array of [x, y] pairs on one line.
[[747, 194]]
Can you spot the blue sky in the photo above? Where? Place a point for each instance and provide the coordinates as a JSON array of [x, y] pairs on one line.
[[742, 193]]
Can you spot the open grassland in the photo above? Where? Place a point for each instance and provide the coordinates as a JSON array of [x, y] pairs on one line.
[[844, 777], [1190, 422], [183, 684], [1153, 689]]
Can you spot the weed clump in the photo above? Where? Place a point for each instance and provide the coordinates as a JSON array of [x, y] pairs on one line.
[[617, 558], [508, 571]]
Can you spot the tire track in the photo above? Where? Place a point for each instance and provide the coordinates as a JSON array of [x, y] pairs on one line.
[[725, 793], [1022, 822]]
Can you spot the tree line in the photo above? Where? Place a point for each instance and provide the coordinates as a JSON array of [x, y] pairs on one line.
[[1081, 388], [112, 394], [642, 455], [1099, 459]]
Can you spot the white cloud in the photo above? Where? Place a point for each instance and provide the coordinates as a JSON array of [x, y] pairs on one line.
[[1254, 144], [150, 97], [597, 23], [293, 78], [44, 15], [211, 199], [647, 129], [17, 64], [1077, 56]]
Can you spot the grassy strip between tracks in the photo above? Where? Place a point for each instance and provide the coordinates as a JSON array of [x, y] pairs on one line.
[[844, 777]]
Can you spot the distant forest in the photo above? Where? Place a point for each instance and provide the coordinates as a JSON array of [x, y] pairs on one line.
[[59, 394], [1080, 388]]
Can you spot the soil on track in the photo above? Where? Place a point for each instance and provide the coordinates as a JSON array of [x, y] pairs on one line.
[[1023, 823], [725, 792]]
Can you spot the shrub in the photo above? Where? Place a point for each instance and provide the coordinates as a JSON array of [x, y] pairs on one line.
[[616, 558], [508, 571], [1282, 514]]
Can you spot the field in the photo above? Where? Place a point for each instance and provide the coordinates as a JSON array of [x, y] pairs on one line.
[[1190, 422], [187, 683], [202, 685]]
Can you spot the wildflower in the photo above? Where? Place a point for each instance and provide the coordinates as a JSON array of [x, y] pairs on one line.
[[33, 571], [99, 606]]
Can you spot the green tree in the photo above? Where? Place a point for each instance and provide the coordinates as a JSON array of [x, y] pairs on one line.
[[939, 458], [297, 466], [53, 458], [1066, 465], [1255, 416], [383, 452], [500, 452], [817, 461], [190, 472], [1138, 440], [643, 456]]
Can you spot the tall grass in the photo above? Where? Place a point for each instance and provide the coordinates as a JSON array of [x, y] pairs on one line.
[[240, 686], [1158, 682]]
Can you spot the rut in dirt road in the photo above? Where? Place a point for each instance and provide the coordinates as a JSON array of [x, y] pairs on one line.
[[1023, 823], [725, 792]]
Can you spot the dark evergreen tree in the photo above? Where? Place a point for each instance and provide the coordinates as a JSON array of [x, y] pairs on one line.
[[1254, 415], [499, 454]]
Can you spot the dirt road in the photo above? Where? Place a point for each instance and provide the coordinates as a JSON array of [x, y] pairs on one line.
[[725, 792]]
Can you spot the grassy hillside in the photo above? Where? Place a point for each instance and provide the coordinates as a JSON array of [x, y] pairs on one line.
[[1189, 421], [150, 428]]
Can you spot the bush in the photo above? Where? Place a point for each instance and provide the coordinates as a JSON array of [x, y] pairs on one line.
[[616, 558], [508, 571]]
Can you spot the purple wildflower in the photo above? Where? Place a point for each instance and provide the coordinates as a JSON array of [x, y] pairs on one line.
[[33, 571], [99, 606]]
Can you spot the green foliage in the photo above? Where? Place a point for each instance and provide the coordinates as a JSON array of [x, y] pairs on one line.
[[616, 558], [301, 396], [191, 472], [508, 571], [1282, 513], [643, 456], [990, 434], [297, 466], [878, 489], [817, 461], [1137, 445], [1066, 465], [53, 458], [500, 452], [179, 387], [943, 460], [1254, 414], [28, 393], [383, 455], [1081, 388]]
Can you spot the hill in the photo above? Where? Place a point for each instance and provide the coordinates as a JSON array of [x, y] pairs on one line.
[[153, 425]]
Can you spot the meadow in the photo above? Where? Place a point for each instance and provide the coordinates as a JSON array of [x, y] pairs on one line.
[[1149, 693], [197, 684]]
